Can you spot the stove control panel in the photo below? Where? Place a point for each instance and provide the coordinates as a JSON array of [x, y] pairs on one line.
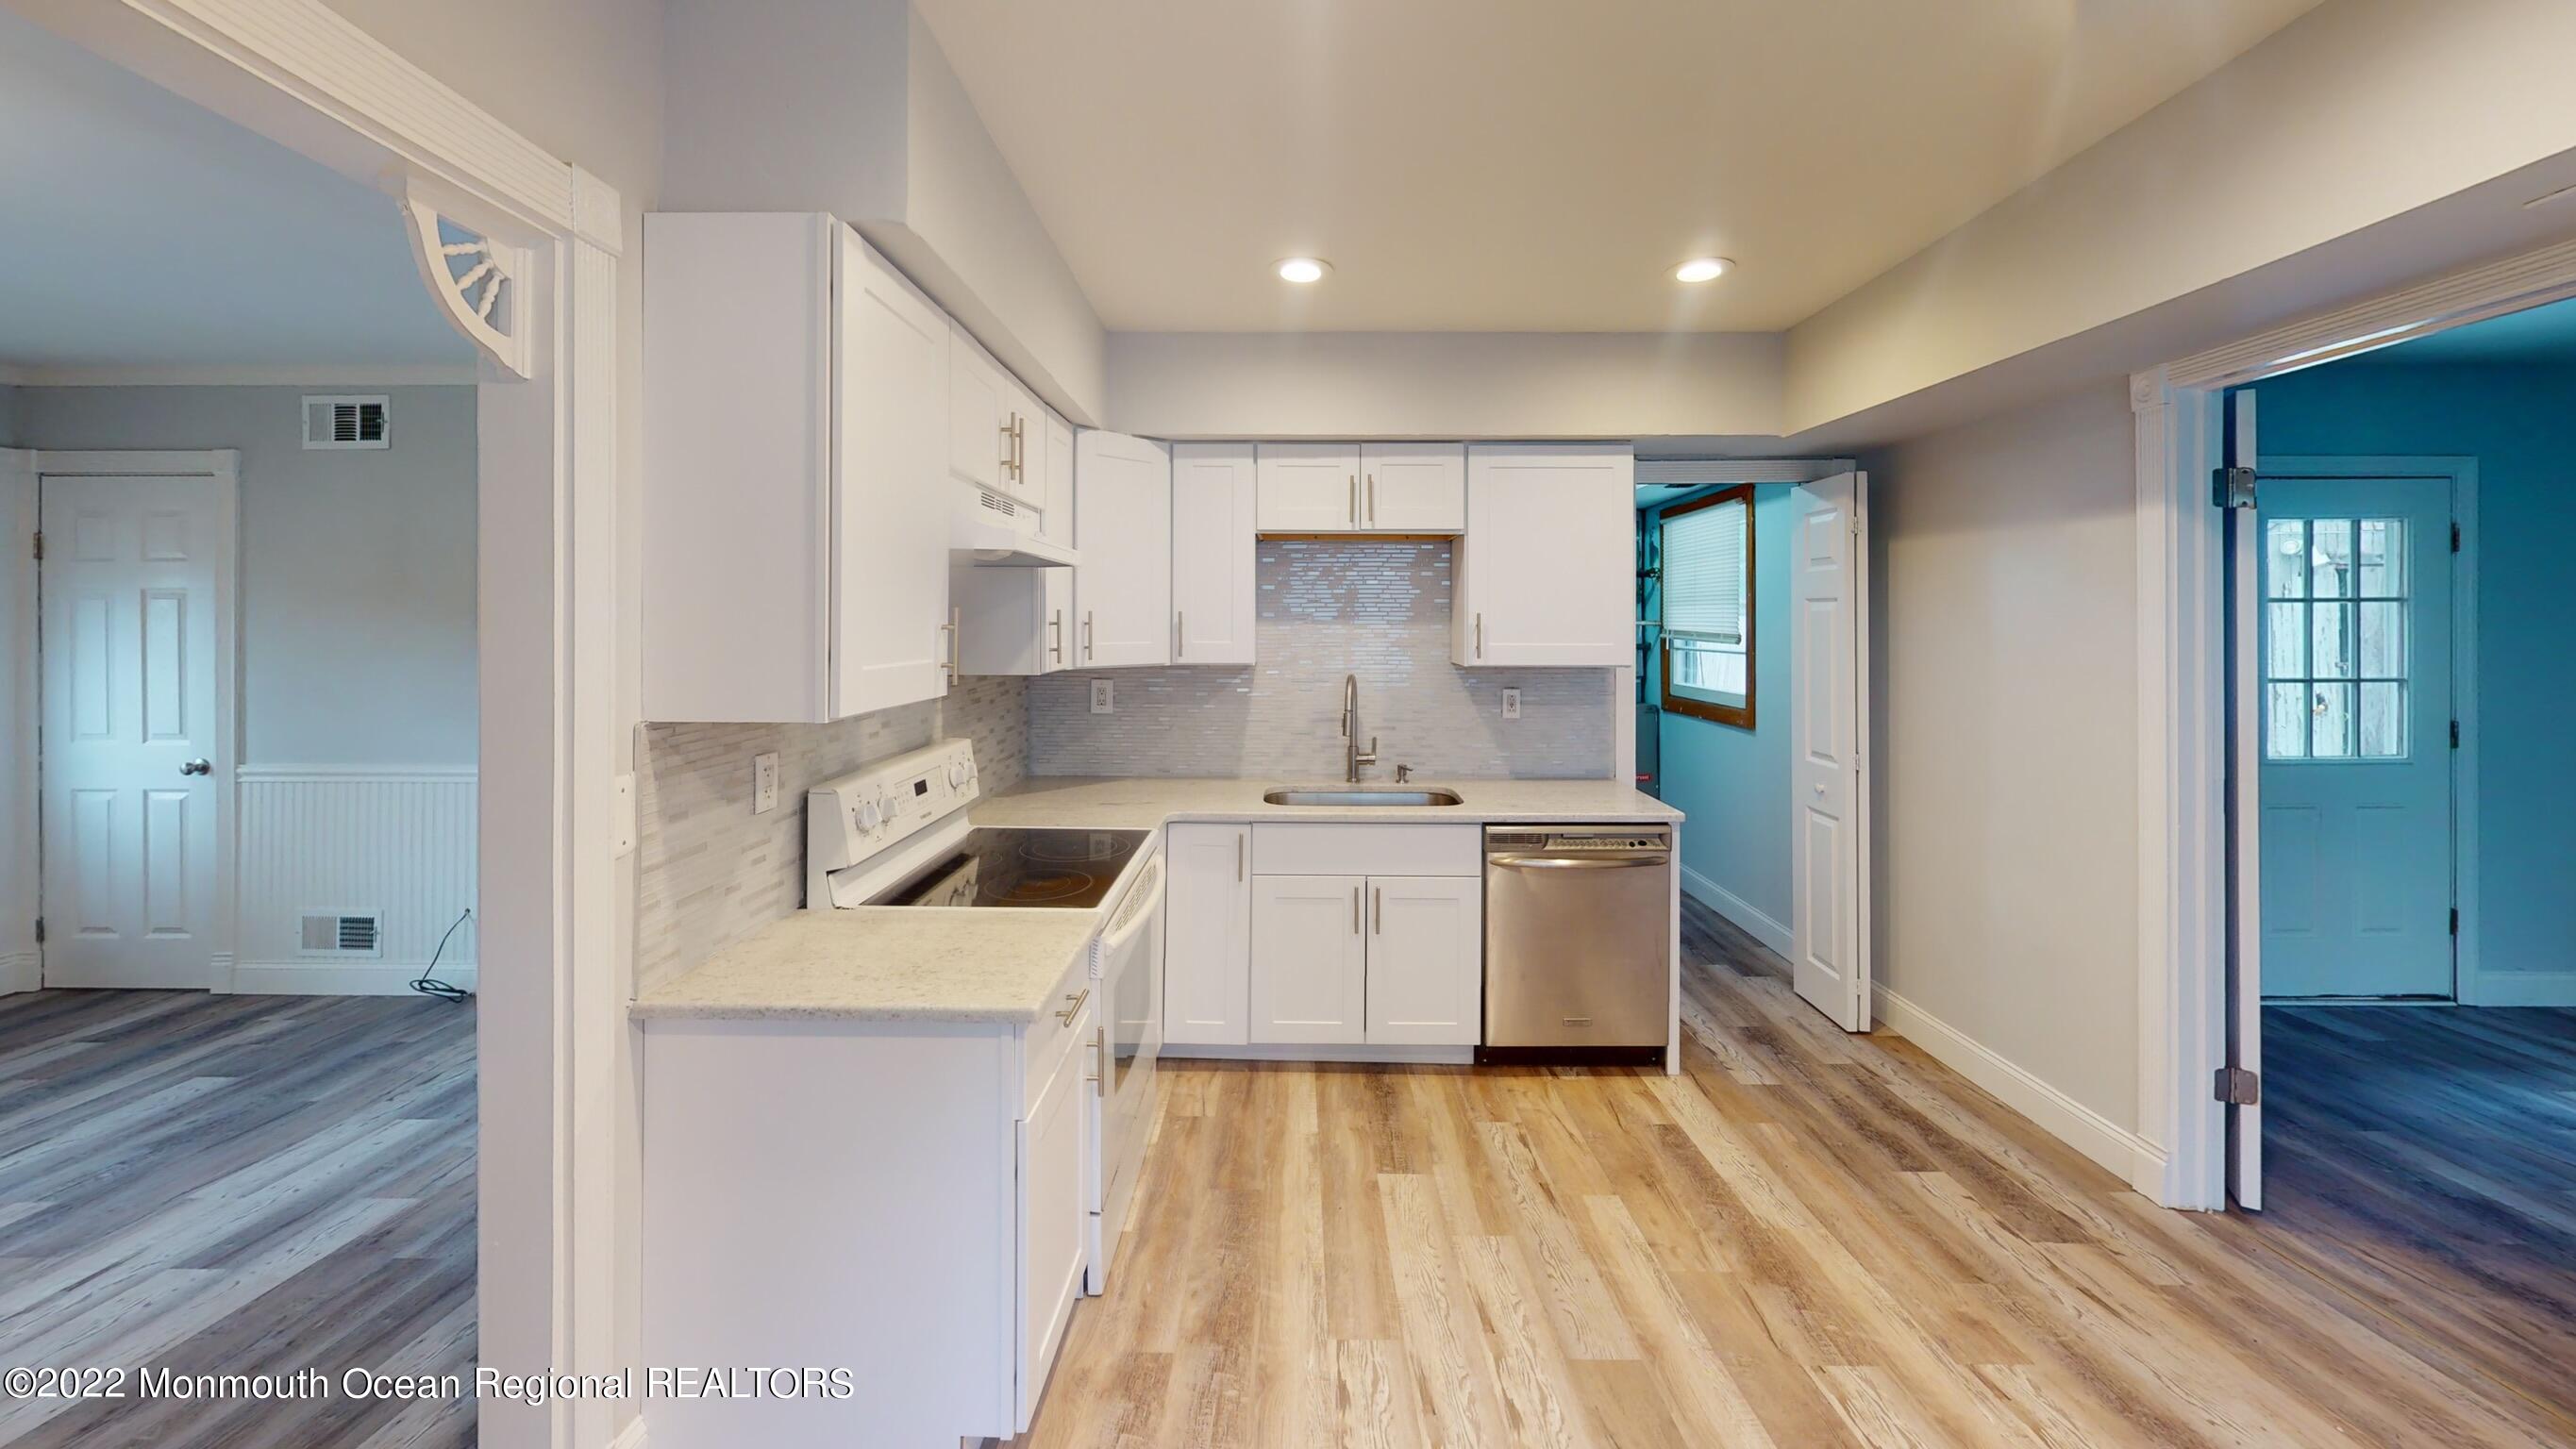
[[866, 812]]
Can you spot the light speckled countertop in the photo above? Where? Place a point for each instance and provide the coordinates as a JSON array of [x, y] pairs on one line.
[[902, 963]]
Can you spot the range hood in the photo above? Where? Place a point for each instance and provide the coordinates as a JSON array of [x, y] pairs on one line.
[[991, 531]]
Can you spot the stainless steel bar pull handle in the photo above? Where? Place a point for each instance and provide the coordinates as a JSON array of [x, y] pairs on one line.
[[1010, 449], [1355, 910], [1086, 633], [1355, 498], [1372, 499], [1179, 631], [1072, 1007], [1377, 911], [1238, 855], [1055, 627], [956, 643], [1480, 634], [1099, 1059]]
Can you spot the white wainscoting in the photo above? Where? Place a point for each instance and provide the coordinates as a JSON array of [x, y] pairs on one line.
[[395, 839]]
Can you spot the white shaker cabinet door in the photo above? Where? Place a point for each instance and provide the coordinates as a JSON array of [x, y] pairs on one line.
[[1547, 567], [1413, 487], [1213, 596], [892, 643], [1426, 954], [1309, 959], [1123, 584], [1309, 487], [1207, 934]]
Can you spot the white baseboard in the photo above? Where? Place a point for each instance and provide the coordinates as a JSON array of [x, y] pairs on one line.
[[20, 971], [2521, 988], [2136, 1161], [339, 978], [1735, 908]]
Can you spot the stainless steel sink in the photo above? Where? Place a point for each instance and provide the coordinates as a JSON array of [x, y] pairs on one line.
[[1344, 795]]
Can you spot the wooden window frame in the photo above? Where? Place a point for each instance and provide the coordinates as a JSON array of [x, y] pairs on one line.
[[1742, 717]]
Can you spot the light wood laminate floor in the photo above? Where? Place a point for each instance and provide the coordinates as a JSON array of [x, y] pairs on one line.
[[1805, 1240], [236, 1184]]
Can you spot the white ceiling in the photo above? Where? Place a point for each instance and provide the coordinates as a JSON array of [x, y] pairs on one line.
[[142, 231], [1542, 165]]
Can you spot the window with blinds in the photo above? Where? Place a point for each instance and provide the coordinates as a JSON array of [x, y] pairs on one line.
[[1707, 607]]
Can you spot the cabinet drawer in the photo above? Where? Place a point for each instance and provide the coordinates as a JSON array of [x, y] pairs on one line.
[[1044, 1045], [1321, 849]]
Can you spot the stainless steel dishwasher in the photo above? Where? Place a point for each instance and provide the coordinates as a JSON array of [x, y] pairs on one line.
[[1578, 940]]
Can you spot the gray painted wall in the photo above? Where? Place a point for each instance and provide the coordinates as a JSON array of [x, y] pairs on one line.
[[1377, 610], [2005, 710], [357, 567]]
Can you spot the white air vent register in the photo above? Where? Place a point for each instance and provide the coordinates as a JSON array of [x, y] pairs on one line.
[[345, 422]]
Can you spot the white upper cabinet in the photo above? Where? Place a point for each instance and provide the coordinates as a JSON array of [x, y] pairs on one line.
[[993, 422], [1413, 487], [1547, 569], [1363, 487], [1213, 596], [1122, 589], [1309, 487], [794, 519]]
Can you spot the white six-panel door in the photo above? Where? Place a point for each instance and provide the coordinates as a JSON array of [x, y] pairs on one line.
[[1828, 720], [135, 583]]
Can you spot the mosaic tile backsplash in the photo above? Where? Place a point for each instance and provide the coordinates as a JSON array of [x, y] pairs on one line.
[[1376, 609], [711, 873]]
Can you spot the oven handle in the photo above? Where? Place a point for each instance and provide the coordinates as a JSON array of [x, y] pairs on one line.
[[1111, 945]]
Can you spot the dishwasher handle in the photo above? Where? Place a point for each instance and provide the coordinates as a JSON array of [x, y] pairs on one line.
[[1579, 862]]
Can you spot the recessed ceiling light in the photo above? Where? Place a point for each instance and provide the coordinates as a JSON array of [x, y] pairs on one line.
[[1303, 269], [1703, 269]]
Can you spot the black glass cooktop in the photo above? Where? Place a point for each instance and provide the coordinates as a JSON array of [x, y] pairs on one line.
[[1068, 868]]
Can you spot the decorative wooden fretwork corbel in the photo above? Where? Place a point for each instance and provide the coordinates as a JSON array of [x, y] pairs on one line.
[[478, 281]]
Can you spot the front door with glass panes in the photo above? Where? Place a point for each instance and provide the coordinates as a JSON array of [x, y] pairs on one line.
[[2355, 640]]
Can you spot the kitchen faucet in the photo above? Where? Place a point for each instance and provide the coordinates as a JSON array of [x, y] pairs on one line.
[[1352, 759]]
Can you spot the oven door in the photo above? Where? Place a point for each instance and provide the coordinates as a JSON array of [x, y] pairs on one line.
[[1131, 1036]]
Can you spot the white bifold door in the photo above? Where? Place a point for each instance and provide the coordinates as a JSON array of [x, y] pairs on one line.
[[1829, 737], [133, 655]]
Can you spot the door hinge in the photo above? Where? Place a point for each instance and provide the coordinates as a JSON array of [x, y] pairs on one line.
[[2455, 734], [2455, 920], [2238, 1087], [40, 930], [40, 545], [2455, 538], [2233, 488]]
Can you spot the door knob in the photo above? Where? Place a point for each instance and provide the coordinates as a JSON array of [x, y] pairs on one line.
[[197, 767]]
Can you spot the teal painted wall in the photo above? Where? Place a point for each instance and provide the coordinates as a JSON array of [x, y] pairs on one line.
[[2519, 422], [1734, 783]]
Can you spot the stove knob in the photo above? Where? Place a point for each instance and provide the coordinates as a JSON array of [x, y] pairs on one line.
[[957, 773], [893, 807], [869, 817]]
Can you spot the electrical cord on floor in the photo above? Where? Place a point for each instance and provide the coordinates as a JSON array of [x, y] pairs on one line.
[[428, 983]]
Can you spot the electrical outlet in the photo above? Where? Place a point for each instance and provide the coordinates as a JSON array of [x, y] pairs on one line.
[[1104, 696], [764, 783], [1511, 704]]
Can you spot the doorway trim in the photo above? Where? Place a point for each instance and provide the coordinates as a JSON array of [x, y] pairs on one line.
[[2182, 764], [2462, 476], [556, 1128], [222, 466]]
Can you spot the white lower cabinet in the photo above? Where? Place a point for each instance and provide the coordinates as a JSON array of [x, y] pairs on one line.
[[1309, 959], [932, 1250], [1426, 953], [1052, 1218], [1269, 946], [1207, 934]]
